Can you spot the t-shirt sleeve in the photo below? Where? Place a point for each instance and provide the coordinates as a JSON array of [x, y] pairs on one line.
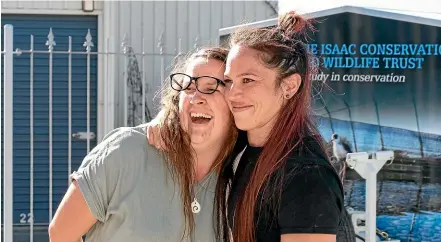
[[311, 201], [110, 169]]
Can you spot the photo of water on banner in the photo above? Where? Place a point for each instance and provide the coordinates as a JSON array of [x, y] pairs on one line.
[[408, 187]]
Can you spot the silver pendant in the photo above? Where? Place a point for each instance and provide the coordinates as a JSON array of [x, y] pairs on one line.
[[195, 206]]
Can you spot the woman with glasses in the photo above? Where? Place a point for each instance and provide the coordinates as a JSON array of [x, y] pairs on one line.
[[127, 190]]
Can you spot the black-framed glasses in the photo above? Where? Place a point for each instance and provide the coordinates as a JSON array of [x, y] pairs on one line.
[[204, 84]]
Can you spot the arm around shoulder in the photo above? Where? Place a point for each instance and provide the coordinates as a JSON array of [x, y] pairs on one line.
[[94, 185]]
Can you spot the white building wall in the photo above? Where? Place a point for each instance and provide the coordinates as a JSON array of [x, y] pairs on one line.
[[46, 5], [181, 24]]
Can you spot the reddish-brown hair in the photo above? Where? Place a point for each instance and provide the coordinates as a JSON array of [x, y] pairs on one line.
[[282, 50], [178, 151]]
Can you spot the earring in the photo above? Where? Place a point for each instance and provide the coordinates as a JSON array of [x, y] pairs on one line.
[[287, 96]]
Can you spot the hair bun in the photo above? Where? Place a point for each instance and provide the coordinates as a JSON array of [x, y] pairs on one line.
[[292, 23]]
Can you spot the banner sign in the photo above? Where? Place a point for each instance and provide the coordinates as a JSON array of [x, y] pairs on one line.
[[378, 87]]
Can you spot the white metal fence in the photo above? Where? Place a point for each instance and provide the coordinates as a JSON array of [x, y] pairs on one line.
[[136, 110], [8, 132]]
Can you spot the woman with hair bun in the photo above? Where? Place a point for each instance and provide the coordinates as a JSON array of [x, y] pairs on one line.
[[278, 184]]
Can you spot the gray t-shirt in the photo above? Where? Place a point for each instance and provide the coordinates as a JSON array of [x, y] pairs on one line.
[[128, 188]]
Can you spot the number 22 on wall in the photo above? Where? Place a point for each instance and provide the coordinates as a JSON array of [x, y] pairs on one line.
[[26, 218]]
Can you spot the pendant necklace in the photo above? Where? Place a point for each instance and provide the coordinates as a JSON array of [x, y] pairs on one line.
[[195, 205]]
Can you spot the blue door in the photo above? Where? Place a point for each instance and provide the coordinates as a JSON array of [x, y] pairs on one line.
[[62, 27]]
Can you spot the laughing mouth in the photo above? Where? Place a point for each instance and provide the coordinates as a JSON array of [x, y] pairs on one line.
[[200, 118]]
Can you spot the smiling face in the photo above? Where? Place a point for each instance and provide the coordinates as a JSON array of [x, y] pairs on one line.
[[252, 92], [205, 117]]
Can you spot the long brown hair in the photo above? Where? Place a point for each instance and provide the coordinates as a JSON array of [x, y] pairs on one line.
[[177, 142], [281, 50]]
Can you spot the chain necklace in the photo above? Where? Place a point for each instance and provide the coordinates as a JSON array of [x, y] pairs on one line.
[[195, 205]]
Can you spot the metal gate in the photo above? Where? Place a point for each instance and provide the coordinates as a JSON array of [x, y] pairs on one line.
[[15, 139]]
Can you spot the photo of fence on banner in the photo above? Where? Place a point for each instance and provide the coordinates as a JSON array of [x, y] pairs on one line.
[[49, 107]]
